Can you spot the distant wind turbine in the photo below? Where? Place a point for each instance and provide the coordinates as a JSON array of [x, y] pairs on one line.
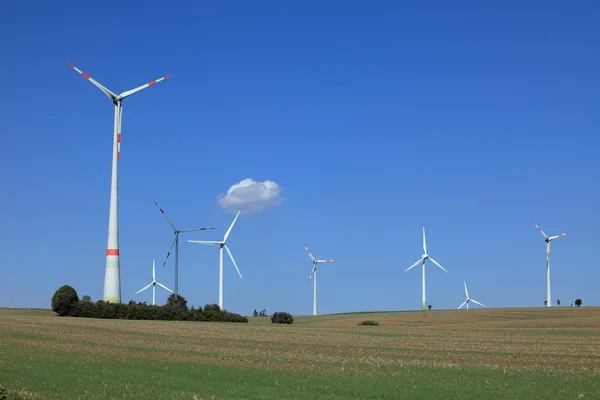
[[548, 240], [175, 243], [421, 260], [313, 274], [468, 299], [222, 244], [153, 284]]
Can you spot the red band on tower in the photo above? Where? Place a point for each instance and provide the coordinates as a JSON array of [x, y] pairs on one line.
[[112, 252]]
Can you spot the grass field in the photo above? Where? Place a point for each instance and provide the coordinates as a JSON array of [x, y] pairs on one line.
[[476, 354]]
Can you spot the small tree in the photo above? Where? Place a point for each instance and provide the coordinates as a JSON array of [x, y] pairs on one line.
[[282, 318], [578, 302], [178, 302], [65, 300], [86, 298], [558, 302], [429, 306], [546, 303]]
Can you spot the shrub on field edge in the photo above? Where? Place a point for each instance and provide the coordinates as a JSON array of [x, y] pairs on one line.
[[282, 317], [65, 300], [176, 309], [369, 322]]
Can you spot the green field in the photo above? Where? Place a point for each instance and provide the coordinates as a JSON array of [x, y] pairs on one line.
[[476, 354]]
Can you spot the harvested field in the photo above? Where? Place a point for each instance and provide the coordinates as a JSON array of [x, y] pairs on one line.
[[498, 353]]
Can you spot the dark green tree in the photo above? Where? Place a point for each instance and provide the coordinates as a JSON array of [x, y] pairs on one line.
[[282, 318], [578, 302], [558, 302], [429, 306], [65, 300], [546, 303]]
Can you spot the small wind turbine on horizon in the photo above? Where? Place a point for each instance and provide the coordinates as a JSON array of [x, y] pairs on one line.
[[313, 274], [468, 299], [548, 240], [421, 260], [153, 284], [222, 244], [175, 243]]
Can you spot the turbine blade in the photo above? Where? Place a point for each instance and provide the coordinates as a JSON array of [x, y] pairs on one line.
[[232, 260], [153, 271], [137, 89], [144, 288], [476, 302], [424, 242], [107, 92], [212, 243], [466, 291], [309, 253], [194, 230], [438, 264], [169, 252], [231, 227], [540, 229], [164, 287], [415, 264], [323, 261], [165, 214], [557, 236], [462, 305], [313, 271]]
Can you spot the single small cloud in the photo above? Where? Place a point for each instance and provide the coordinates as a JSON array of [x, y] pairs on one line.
[[251, 197]]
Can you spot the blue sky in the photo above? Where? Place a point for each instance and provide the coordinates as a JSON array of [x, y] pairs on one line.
[[374, 118]]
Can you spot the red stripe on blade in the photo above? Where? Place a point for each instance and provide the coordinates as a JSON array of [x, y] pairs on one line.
[[151, 83], [86, 76]]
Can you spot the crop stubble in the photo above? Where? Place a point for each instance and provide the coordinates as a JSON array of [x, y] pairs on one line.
[[557, 340]]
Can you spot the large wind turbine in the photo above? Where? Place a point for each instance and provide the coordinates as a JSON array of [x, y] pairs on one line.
[[424, 257], [468, 299], [548, 240], [175, 243], [313, 274], [222, 244], [112, 279], [153, 284]]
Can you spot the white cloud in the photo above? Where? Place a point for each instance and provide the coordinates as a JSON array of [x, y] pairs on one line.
[[251, 197]]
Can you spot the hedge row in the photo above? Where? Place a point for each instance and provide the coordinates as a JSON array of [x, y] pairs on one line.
[[66, 302]]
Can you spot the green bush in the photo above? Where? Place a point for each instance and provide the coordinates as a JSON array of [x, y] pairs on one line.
[[65, 300], [282, 318], [176, 309], [369, 322]]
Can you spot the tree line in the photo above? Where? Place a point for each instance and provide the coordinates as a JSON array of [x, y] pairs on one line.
[[66, 302]]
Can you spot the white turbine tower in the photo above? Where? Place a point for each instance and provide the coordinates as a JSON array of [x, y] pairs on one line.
[[421, 260], [175, 243], [468, 299], [112, 278], [548, 240], [222, 244], [313, 274], [153, 284]]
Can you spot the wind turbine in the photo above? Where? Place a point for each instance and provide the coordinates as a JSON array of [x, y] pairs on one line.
[[548, 240], [153, 284], [468, 299], [112, 278], [421, 260], [175, 243], [222, 244], [313, 273]]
